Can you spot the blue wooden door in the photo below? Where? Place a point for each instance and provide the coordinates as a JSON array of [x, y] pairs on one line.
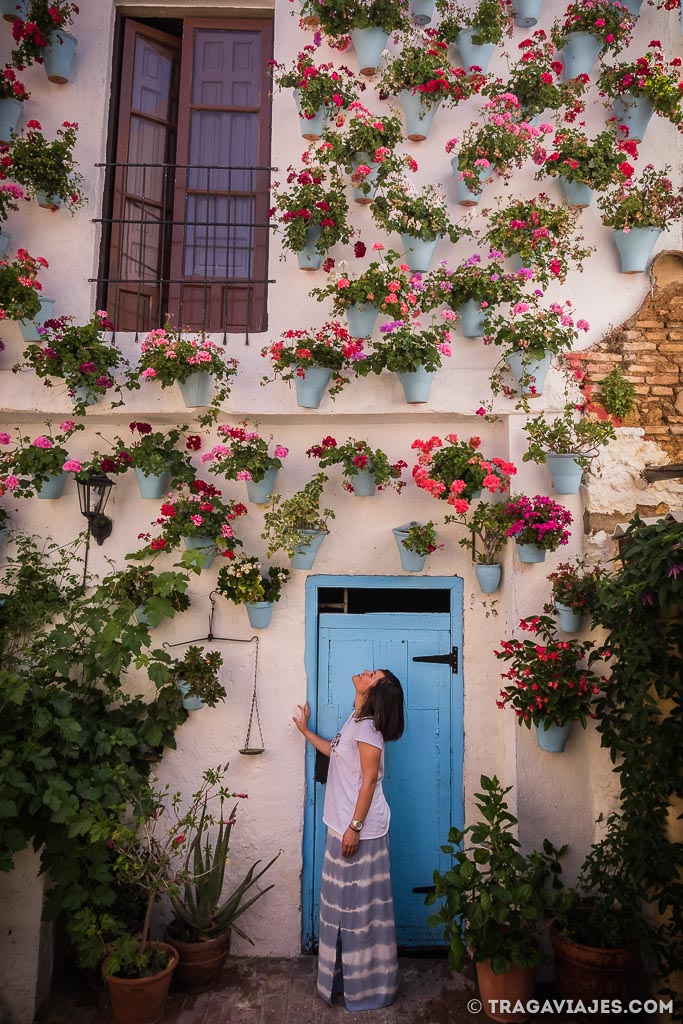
[[422, 779]]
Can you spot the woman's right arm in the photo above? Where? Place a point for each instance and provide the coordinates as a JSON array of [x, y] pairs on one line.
[[302, 725]]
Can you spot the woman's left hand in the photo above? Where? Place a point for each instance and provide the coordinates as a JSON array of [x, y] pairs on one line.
[[350, 842]]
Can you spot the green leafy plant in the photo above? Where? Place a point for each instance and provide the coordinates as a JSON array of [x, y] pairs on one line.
[[421, 67], [406, 345], [161, 594], [618, 394], [650, 75], [358, 457], [575, 585], [490, 19], [421, 538], [317, 84], [597, 163], [195, 509], [33, 460], [314, 198], [488, 531], [200, 672], [361, 133], [422, 214], [338, 19], [286, 519], [457, 472], [243, 582], [20, 287], [47, 166], [329, 346], [538, 520], [536, 80], [243, 454], [155, 452], [647, 201], [533, 329], [385, 283], [494, 897], [488, 283], [611, 23], [10, 195], [33, 34], [10, 86], [567, 434]]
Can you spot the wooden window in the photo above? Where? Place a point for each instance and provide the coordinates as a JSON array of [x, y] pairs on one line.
[[188, 227]]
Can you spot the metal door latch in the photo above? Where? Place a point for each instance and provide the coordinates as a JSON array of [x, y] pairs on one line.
[[442, 659]]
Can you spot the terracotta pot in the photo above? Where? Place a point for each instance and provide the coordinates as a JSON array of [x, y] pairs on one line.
[[141, 1000], [199, 963], [516, 985], [589, 972]]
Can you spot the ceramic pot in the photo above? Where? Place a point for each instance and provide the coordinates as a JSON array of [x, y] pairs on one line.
[[152, 485], [10, 111], [472, 55], [635, 248], [363, 484], [422, 11], [417, 385], [576, 193], [565, 471], [141, 616], [141, 1000], [526, 12], [465, 195], [551, 737], [196, 389], [4, 530], [199, 963], [311, 388], [13, 10], [29, 328], [488, 577], [536, 368], [59, 56], [5, 239], [309, 258], [410, 560], [588, 972], [190, 701], [635, 111], [579, 54], [516, 985], [368, 44], [85, 395], [48, 201], [633, 5], [260, 613], [568, 620], [53, 487], [472, 319], [258, 491], [311, 127], [305, 556], [359, 196], [207, 545], [419, 252], [418, 115], [530, 553], [361, 318]]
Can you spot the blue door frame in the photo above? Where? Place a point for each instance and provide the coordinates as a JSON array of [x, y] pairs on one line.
[[450, 583]]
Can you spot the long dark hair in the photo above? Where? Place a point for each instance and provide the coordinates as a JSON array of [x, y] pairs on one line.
[[384, 705]]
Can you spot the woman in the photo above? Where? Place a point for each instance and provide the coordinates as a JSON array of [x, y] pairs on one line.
[[357, 947]]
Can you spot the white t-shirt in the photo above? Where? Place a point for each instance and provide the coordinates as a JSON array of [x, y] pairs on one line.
[[344, 780]]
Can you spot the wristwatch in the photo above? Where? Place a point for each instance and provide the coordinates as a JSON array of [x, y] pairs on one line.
[[356, 825]]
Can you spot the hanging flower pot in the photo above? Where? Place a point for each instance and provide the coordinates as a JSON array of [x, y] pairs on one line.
[[536, 368], [565, 471], [579, 54], [311, 127], [526, 12], [530, 553], [13, 10], [551, 737], [258, 491], [10, 111], [463, 192], [368, 44], [309, 258], [260, 613], [633, 5], [472, 319], [361, 318], [417, 385], [311, 388], [363, 484], [5, 239], [410, 560], [488, 577], [634, 110], [190, 702], [85, 395], [568, 620], [576, 193], [152, 485], [53, 487], [419, 252], [48, 201], [205, 544], [422, 11], [371, 179], [635, 248], [419, 116], [305, 556], [471, 54], [29, 328], [141, 616], [196, 389], [59, 56]]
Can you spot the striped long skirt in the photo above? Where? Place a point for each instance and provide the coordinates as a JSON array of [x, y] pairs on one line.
[[357, 951]]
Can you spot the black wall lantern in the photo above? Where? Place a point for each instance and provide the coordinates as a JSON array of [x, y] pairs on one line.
[[93, 495]]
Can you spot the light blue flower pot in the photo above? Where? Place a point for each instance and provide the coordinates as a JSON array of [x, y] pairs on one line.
[[260, 613], [59, 56], [141, 616], [553, 738], [634, 110], [152, 485], [471, 54], [576, 193], [5, 239], [10, 111], [579, 54], [359, 196], [29, 328], [422, 11], [4, 530], [536, 368], [85, 395], [635, 248], [206, 545], [363, 484], [190, 703], [311, 388], [258, 491], [53, 487], [526, 12], [361, 319], [568, 620], [48, 201], [305, 555], [418, 115], [416, 386], [311, 127], [12, 10], [196, 389], [472, 319], [309, 258], [418, 252], [368, 44], [463, 193], [410, 560], [530, 553], [565, 471], [633, 5], [488, 577]]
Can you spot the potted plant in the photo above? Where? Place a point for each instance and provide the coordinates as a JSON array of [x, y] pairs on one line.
[[79, 355], [584, 165], [298, 525], [369, 25], [412, 351], [9, 196], [459, 472], [38, 465], [574, 593], [320, 89], [244, 455], [642, 87], [194, 363], [537, 525], [365, 470], [420, 217], [587, 29], [414, 542], [487, 535], [566, 444], [312, 359], [495, 900], [551, 682], [41, 32], [476, 31], [47, 169], [149, 595], [472, 289], [638, 210], [362, 143], [242, 582], [19, 287], [13, 94], [197, 676], [536, 81], [156, 459], [312, 213]]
